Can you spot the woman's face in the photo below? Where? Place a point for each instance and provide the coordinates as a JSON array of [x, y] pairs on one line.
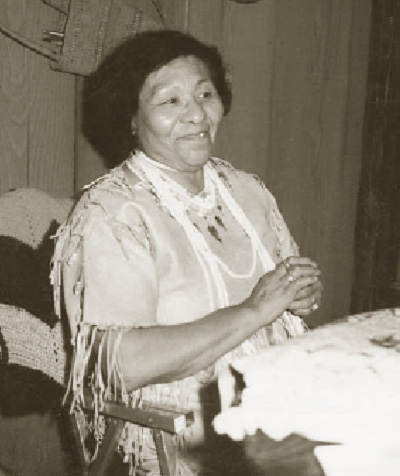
[[179, 114]]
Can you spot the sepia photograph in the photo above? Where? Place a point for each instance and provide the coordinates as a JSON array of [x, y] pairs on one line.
[[199, 237]]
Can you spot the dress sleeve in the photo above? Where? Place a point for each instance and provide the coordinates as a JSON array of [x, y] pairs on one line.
[[104, 273], [250, 189], [286, 245], [119, 280], [109, 278]]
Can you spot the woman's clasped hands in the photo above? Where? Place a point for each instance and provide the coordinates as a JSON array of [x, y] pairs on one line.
[[294, 285]]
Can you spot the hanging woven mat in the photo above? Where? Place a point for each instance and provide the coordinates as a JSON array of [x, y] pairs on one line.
[[86, 31]]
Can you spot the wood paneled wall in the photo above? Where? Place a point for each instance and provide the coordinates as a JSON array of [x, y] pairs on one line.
[[36, 107], [377, 267], [299, 79], [36, 150], [299, 73]]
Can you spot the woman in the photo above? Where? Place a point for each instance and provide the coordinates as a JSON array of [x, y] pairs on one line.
[[167, 264]]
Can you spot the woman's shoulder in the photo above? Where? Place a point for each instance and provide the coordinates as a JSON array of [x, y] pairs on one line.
[[111, 187], [258, 203], [109, 199], [228, 171], [108, 205], [240, 180], [108, 194]]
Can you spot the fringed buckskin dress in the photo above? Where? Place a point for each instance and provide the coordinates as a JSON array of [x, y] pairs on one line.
[[139, 250]]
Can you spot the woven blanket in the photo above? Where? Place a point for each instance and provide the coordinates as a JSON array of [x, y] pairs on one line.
[[33, 357], [28, 220]]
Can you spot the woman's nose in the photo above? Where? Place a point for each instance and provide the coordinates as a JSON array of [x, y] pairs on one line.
[[194, 111]]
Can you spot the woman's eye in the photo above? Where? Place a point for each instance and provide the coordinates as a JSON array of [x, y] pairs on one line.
[[171, 100], [206, 94]]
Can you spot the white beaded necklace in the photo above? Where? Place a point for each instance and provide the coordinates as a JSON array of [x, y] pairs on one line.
[[177, 200], [201, 202]]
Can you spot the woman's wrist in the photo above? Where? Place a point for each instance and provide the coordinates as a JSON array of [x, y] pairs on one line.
[[253, 314]]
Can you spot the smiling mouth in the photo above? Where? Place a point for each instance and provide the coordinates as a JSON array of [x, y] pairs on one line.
[[198, 136]]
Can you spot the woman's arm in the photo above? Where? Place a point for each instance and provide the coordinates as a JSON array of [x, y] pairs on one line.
[[103, 288], [162, 354]]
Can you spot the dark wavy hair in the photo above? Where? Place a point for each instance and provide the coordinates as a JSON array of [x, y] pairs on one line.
[[111, 93]]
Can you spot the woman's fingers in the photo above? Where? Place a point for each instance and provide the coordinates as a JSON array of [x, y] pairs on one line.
[[304, 312], [303, 276], [307, 300], [300, 279], [295, 267], [292, 285], [299, 285], [314, 291], [272, 295], [299, 261], [304, 306]]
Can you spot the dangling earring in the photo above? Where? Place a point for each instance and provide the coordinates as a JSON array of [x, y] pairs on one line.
[[134, 137], [134, 127]]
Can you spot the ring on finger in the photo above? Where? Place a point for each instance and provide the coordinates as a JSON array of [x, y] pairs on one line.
[[314, 307], [287, 266], [291, 278]]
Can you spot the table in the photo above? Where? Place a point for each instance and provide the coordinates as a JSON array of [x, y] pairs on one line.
[[338, 384]]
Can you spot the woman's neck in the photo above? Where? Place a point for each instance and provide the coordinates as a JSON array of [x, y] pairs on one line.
[[192, 181]]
